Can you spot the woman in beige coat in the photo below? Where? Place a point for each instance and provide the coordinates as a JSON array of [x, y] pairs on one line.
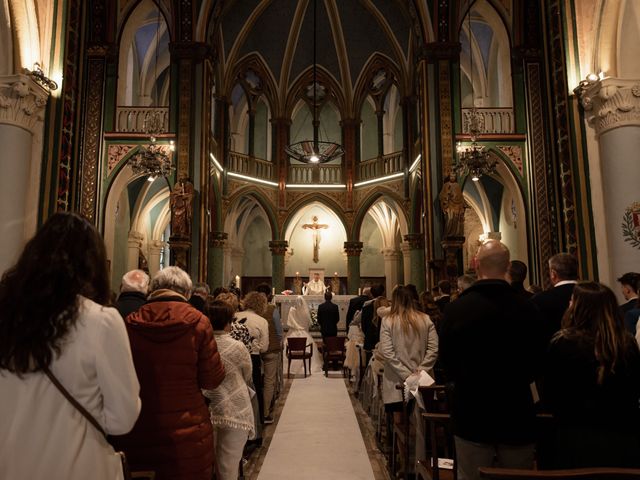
[[408, 344]]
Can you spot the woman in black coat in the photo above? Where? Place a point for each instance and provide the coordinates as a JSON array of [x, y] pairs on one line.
[[592, 384]]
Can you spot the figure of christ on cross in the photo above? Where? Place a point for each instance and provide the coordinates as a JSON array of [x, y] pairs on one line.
[[315, 230]]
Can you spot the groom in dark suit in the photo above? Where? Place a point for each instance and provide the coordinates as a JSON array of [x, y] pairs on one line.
[[563, 273], [328, 317]]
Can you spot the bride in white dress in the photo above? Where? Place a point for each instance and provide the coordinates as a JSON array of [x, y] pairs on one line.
[[299, 320]]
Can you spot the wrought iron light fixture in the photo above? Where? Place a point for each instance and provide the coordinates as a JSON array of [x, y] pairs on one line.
[[154, 160], [315, 151], [473, 160], [38, 75]]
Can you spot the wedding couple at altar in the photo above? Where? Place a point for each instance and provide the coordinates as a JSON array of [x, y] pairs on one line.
[[299, 322]]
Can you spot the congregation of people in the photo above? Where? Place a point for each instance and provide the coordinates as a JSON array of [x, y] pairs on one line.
[[184, 380]]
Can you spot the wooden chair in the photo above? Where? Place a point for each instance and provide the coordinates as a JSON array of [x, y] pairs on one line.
[[580, 473], [297, 350], [333, 350]]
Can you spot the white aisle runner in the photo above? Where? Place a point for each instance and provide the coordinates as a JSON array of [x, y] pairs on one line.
[[317, 436]]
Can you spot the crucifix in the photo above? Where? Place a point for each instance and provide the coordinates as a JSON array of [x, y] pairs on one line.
[[315, 230]]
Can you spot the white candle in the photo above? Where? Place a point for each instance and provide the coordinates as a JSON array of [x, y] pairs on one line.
[[273, 291], [359, 291], [238, 281]]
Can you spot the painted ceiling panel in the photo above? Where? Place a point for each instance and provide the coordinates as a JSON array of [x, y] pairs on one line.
[[234, 19], [363, 37], [269, 34], [327, 56], [397, 20]]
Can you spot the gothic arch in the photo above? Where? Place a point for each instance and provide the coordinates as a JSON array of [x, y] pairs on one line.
[[251, 191], [297, 91], [314, 198], [369, 202]]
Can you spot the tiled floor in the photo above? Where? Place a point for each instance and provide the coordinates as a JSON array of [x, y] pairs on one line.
[[334, 445]]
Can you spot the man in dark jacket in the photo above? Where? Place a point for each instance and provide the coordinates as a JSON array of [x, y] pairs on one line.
[[369, 328], [629, 285], [356, 304], [328, 317], [491, 348], [516, 275], [563, 273], [133, 292]]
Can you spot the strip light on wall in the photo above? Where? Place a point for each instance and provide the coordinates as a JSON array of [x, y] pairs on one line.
[[316, 185], [215, 162], [415, 164], [252, 179], [381, 179]]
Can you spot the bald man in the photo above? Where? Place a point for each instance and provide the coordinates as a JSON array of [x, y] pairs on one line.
[[491, 347]]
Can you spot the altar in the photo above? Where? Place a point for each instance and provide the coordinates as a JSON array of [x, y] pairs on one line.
[[285, 302]]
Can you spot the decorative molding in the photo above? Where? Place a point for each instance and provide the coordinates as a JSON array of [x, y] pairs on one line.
[[218, 239], [92, 138], [115, 153], [22, 102], [514, 152], [353, 249], [446, 119], [415, 241], [278, 247], [611, 103]]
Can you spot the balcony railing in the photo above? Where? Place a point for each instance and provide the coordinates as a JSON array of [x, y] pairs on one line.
[[492, 120], [381, 166], [315, 174], [250, 166], [131, 119]]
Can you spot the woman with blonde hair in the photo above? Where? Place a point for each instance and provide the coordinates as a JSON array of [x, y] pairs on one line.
[[592, 384], [408, 344]]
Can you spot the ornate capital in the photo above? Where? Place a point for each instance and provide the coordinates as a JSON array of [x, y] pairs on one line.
[[415, 240], [278, 247], [156, 246], [22, 101], [218, 239], [390, 254], [611, 103], [353, 249], [135, 239]]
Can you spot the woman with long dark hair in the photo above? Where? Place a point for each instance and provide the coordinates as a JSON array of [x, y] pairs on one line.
[[592, 383], [53, 322]]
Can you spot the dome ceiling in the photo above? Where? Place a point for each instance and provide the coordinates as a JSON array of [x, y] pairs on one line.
[[350, 32]]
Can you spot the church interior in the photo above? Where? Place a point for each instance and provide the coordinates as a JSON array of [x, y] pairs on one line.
[[370, 141]]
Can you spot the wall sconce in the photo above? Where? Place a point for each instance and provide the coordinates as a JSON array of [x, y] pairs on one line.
[[38, 75]]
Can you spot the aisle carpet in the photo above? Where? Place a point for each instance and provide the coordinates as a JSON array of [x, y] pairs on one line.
[[317, 436]]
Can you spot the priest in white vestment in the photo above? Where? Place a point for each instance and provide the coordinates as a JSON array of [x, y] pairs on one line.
[[315, 286]]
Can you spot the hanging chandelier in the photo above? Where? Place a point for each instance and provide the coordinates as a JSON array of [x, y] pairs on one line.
[[154, 160], [315, 151], [473, 160]]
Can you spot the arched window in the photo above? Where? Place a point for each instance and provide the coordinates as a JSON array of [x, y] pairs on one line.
[[143, 66], [302, 125], [368, 130]]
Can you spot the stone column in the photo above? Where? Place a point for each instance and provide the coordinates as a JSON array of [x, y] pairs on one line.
[[155, 250], [228, 265], [416, 253], [281, 127], [353, 251], [278, 249], [391, 258], [612, 107], [350, 128], [405, 248], [237, 256], [215, 263], [134, 243], [22, 103]]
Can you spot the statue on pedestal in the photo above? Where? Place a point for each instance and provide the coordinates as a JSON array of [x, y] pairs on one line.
[[182, 209], [452, 204]]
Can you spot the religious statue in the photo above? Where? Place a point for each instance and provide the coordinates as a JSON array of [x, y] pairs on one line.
[[182, 209], [452, 204], [315, 286], [315, 230]]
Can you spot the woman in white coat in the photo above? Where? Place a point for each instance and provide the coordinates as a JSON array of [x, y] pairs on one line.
[[52, 317]]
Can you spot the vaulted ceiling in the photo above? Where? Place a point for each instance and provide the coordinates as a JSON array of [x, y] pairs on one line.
[[350, 33]]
